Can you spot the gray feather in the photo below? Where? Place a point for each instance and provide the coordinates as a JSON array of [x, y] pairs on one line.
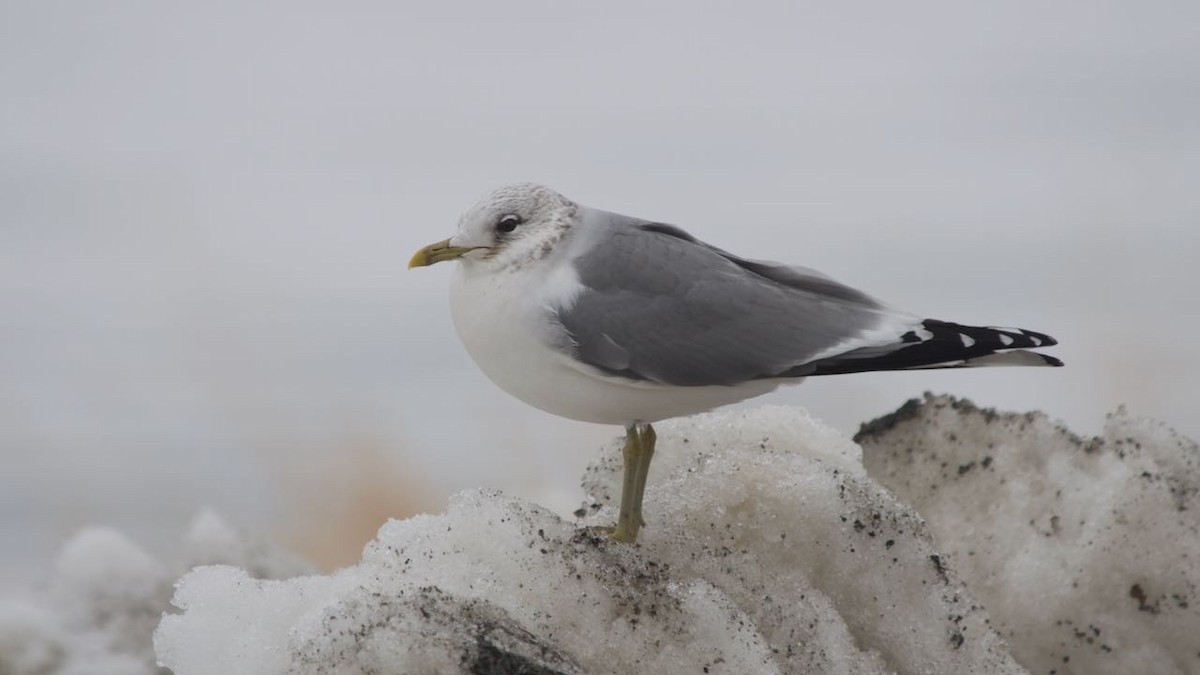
[[661, 306]]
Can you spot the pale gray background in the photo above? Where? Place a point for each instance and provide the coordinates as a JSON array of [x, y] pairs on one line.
[[205, 211]]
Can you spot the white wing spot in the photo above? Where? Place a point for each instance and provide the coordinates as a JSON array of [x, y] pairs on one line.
[[925, 334], [1005, 340], [967, 340]]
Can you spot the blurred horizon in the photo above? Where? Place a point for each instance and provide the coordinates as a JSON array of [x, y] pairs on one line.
[[205, 213]]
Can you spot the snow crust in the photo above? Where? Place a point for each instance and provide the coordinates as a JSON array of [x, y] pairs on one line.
[[769, 550], [1086, 552], [952, 540]]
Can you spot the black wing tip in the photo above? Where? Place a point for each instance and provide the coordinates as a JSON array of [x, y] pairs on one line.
[[943, 344], [998, 341], [998, 338], [1050, 360], [1046, 340]]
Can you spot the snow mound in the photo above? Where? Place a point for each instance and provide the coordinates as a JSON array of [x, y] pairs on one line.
[[1086, 552], [106, 595], [953, 540], [769, 551]]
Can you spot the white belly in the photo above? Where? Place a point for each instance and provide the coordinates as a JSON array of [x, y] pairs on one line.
[[500, 319]]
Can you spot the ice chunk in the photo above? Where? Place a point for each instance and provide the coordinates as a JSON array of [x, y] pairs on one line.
[[769, 551], [775, 509], [1086, 552]]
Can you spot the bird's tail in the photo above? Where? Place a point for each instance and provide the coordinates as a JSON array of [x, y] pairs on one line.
[[941, 344]]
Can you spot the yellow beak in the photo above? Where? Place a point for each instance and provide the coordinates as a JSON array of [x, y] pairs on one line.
[[436, 253]]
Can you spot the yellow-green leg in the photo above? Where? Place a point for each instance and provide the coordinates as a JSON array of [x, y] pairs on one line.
[[638, 451]]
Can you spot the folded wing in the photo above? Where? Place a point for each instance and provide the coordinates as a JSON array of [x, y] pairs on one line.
[[658, 305]]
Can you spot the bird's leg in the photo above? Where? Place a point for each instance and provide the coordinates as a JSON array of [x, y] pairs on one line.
[[627, 527], [638, 451], [646, 438]]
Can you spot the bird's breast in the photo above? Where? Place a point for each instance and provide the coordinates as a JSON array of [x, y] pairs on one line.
[[504, 322]]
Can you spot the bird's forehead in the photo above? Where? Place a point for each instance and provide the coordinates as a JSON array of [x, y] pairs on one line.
[[525, 199]]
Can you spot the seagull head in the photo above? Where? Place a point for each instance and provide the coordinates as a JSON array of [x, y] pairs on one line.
[[511, 225]]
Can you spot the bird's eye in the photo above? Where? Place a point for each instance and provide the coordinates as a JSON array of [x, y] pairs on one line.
[[508, 223]]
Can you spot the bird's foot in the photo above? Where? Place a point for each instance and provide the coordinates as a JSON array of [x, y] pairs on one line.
[[625, 535]]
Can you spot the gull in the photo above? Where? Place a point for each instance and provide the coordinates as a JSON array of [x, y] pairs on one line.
[[605, 318]]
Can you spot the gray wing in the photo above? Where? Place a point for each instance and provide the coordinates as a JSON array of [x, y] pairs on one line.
[[661, 306]]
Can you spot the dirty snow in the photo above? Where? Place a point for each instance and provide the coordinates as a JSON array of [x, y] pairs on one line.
[[952, 540], [1086, 552]]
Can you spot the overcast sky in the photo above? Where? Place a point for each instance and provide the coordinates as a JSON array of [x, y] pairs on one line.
[[205, 211]]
